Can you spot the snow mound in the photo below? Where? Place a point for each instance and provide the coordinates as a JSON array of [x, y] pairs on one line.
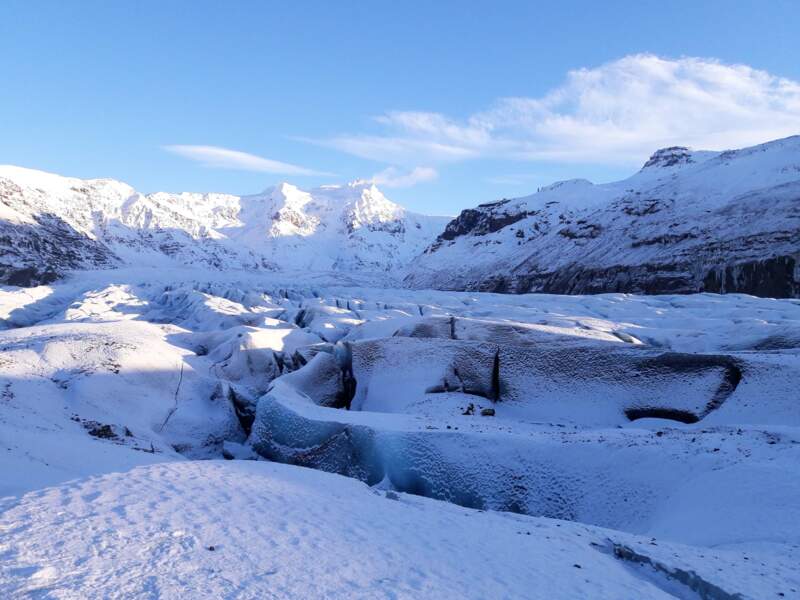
[[257, 530]]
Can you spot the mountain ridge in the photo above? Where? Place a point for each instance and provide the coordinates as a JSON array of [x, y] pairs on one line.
[[688, 221], [351, 227]]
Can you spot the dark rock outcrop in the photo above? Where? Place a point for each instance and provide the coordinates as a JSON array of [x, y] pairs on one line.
[[40, 253]]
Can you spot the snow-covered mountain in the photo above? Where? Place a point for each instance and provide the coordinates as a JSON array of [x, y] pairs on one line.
[[686, 222], [51, 224]]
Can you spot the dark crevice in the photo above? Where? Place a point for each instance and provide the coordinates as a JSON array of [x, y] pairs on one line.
[[279, 359], [495, 391], [343, 354], [245, 410], [299, 360], [682, 416], [345, 397], [175, 404], [730, 381]]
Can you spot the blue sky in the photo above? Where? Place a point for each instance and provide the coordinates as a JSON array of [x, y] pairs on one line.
[[444, 104]]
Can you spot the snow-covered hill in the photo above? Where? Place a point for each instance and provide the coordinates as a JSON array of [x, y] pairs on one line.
[[686, 222], [51, 224]]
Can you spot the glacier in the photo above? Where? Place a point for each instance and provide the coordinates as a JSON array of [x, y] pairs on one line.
[[267, 395], [652, 440]]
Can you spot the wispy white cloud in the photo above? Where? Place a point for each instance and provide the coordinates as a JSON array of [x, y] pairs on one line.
[[397, 149], [618, 112], [395, 178], [224, 158]]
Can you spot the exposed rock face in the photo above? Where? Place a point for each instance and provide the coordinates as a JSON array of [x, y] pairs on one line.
[[772, 277], [669, 157], [687, 222], [38, 253]]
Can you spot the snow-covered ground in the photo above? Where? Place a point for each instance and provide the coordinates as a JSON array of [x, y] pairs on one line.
[[259, 530], [610, 446]]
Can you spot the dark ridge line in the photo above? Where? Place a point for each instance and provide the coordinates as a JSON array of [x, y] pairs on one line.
[[704, 589], [175, 406]]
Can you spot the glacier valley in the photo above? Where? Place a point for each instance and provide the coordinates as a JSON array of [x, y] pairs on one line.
[[158, 427], [301, 394]]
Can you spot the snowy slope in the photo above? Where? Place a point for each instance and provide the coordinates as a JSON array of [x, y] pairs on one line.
[[259, 530], [686, 222], [51, 224]]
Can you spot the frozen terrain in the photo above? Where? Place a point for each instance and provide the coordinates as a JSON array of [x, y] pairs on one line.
[[476, 445], [260, 530]]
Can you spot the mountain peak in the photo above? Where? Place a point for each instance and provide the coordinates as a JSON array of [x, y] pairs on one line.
[[285, 188], [670, 157], [567, 183]]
